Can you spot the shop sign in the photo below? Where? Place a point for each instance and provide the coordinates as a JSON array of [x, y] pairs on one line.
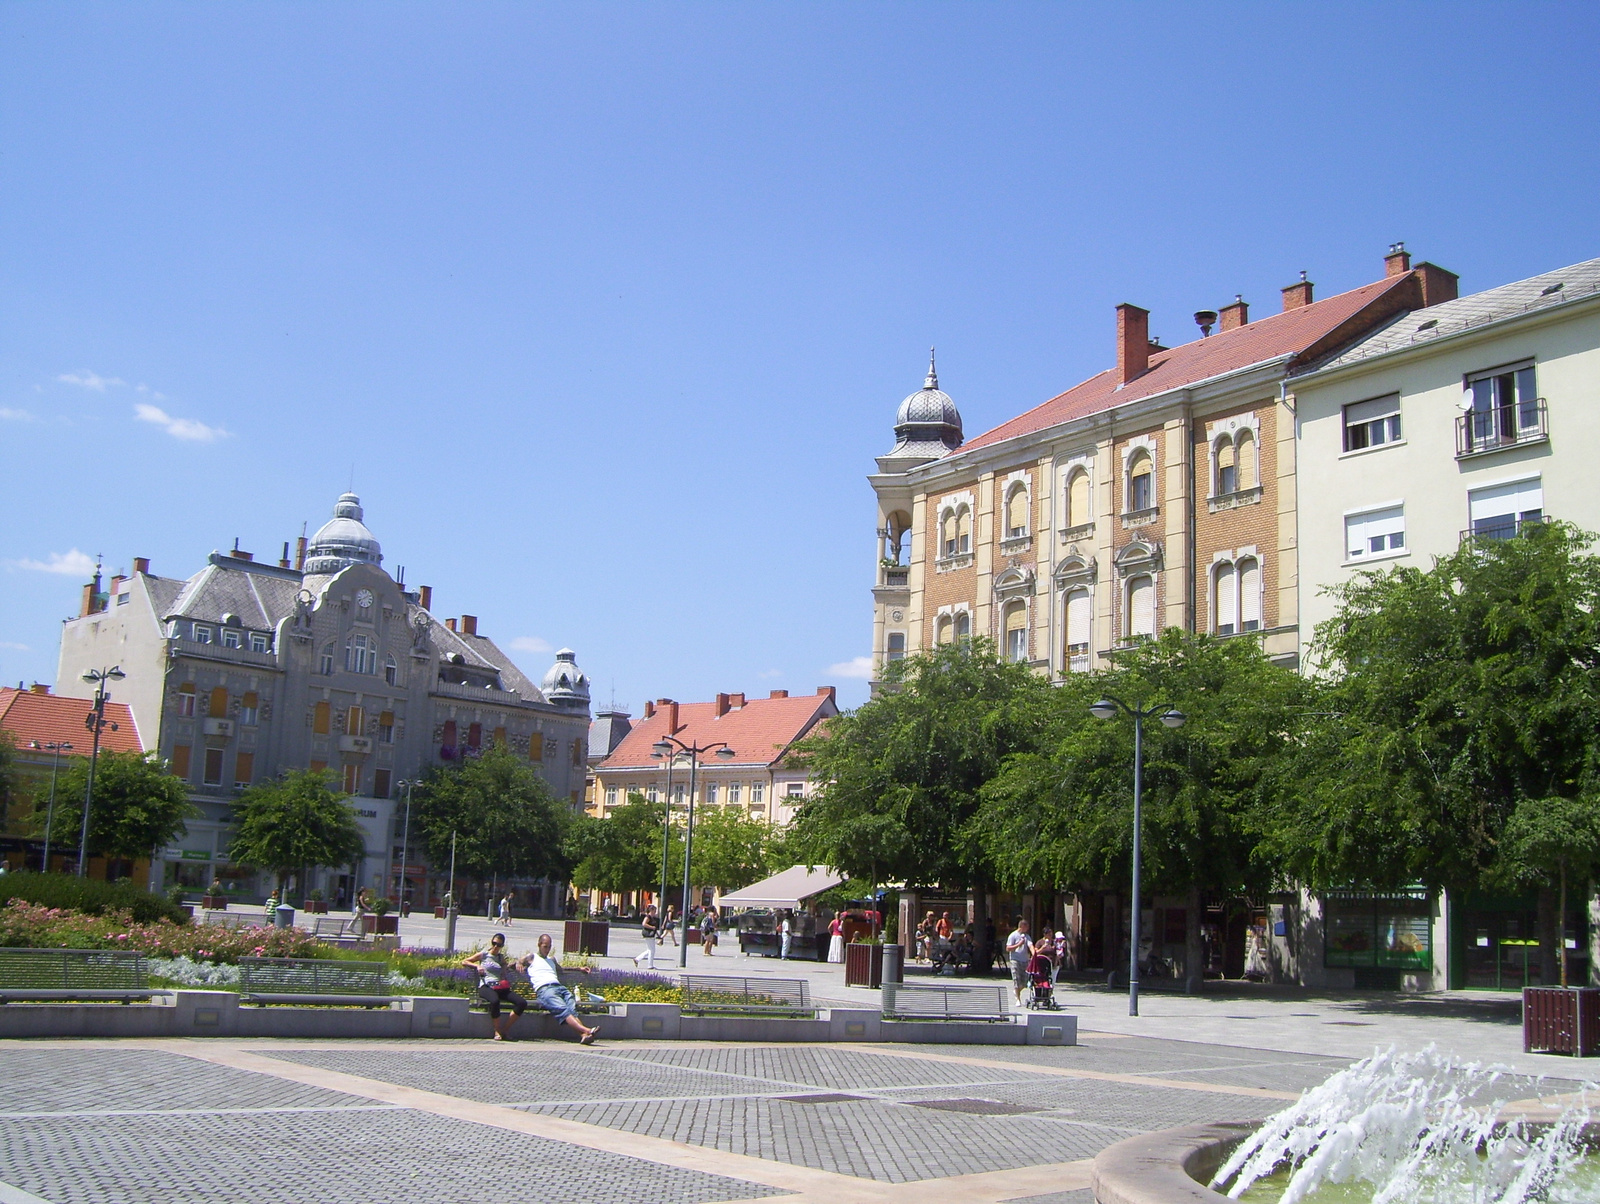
[[196, 855]]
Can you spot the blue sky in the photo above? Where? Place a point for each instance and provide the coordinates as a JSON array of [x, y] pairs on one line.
[[606, 309]]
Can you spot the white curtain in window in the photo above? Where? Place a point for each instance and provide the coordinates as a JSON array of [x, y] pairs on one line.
[[1227, 616], [1250, 595], [1141, 606]]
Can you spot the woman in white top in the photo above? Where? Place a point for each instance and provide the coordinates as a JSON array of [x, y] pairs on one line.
[[494, 984]]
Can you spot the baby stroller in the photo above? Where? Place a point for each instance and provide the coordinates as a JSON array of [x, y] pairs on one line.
[[1041, 972]]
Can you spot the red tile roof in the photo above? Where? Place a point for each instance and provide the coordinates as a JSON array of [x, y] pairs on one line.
[[57, 719], [758, 732], [1298, 332]]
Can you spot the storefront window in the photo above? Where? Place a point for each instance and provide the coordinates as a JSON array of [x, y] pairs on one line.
[[1392, 929]]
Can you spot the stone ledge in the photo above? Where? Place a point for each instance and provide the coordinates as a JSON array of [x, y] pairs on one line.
[[1169, 1167]]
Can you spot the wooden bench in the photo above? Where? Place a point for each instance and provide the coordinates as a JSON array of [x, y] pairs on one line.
[[945, 1001], [704, 993], [312, 980], [92, 974]]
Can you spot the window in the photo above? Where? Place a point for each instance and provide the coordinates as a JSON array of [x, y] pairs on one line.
[[1227, 468], [1372, 423], [1236, 593], [217, 704], [186, 703], [897, 645], [475, 735], [122, 598], [1501, 512], [202, 635], [1078, 620], [1141, 606], [1375, 533], [391, 672], [386, 727], [249, 709], [963, 531], [1017, 631], [1249, 594], [963, 628], [1245, 446], [179, 764], [652, 793], [1078, 508], [232, 638], [1225, 591], [947, 533], [244, 768], [758, 792], [361, 655], [734, 791], [679, 793], [448, 740], [611, 796], [355, 721], [796, 789], [945, 631], [1505, 407], [260, 642], [321, 719], [380, 783], [711, 792], [1017, 512], [326, 665], [319, 767], [213, 774], [352, 779], [536, 746], [1141, 483]]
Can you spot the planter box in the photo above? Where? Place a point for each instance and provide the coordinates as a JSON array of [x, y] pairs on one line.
[[586, 936], [214, 902], [863, 965], [1561, 1020], [316, 907], [380, 925], [438, 913]]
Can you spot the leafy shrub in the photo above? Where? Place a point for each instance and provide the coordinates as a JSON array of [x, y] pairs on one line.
[[69, 892], [26, 925]]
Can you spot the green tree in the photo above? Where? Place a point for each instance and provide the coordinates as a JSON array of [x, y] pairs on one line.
[[903, 775], [730, 848], [138, 807], [293, 823], [622, 852], [503, 817], [1553, 837]]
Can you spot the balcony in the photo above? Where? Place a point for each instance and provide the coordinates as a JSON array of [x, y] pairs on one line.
[[487, 694], [181, 646], [219, 727], [1492, 530], [1480, 432], [896, 577], [355, 744]]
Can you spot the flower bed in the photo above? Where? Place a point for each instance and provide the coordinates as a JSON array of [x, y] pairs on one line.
[[30, 926]]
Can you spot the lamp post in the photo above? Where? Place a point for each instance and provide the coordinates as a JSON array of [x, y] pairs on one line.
[[450, 893], [56, 747], [666, 827], [95, 721], [405, 845], [1170, 716], [669, 746]]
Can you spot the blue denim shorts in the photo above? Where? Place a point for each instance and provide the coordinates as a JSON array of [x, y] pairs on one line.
[[557, 1000]]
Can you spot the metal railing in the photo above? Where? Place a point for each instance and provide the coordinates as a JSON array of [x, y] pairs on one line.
[[1493, 530], [1480, 431]]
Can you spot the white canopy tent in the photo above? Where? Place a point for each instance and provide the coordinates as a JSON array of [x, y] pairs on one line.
[[790, 888]]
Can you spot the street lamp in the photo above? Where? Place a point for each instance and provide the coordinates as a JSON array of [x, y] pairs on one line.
[[95, 721], [57, 748], [405, 845], [666, 828], [1170, 716], [665, 747]]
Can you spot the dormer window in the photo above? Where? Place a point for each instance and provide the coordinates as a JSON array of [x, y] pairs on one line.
[[231, 637], [202, 634]]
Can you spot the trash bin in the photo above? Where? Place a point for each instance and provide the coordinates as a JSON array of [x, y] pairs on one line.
[[893, 956], [285, 916]]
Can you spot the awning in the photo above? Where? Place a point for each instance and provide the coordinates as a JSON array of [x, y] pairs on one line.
[[788, 889]]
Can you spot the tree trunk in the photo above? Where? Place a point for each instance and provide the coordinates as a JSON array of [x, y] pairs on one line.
[[980, 914], [1194, 949], [1548, 970]]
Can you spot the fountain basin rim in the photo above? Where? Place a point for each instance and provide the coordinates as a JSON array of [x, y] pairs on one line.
[[1172, 1166]]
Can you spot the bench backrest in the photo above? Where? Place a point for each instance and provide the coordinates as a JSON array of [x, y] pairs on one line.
[[328, 926], [312, 976], [710, 990], [236, 920], [72, 969], [944, 999]]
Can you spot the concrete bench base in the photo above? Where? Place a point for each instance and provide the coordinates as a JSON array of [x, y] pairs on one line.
[[43, 995], [348, 1001], [225, 1014]]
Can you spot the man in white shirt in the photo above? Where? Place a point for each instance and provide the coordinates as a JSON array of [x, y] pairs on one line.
[[544, 976], [785, 937], [1019, 948]]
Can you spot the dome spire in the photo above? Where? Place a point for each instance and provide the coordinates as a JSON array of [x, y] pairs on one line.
[[933, 374]]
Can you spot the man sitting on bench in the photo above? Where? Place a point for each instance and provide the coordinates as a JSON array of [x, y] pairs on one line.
[[544, 976]]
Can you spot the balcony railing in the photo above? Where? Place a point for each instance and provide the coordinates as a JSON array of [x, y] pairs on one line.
[[1490, 530], [1482, 431], [896, 577]]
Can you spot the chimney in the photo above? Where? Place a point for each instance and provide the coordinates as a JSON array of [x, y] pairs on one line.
[[425, 597], [141, 564], [1236, 314], [1297, 296], [736, 701], [670, 710], [39, 687], [1438, 285], [1397, 262], [237, 554], [828, 692], [779, 694], [1133, 346], [87, 605], [300, 554], [469, 624], [1205, 319], [722, 705], [649, 709], [450, 623], [116, 584], [283, 561]]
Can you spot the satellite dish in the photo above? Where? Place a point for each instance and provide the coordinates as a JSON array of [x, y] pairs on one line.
[[1465, 404]]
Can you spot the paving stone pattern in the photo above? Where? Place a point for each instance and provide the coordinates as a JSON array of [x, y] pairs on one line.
[[387, 1157], [1081, 1196], [820, 1066]]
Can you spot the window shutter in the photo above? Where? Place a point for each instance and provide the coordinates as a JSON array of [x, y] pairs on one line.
[[1226, 620], [1250, 595], [1078, 508], [449, 733], [250, 701], [1017, 511], [356, 721], [218, 706], [244, 769], [536, 746], [1246, 472], [180, 761], [500, 737], [321, 717], [386, 719], [1141, 606]]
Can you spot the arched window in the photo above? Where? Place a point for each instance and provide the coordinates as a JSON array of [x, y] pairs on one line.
[[186, 700], [475, 735], [1078, 625], [1249, 595], [897, 538], [217, 705], [1141, 606], [963, 531], [897, 645], [1225, 595], [1227, 468], [321, 719], [944, 632], [1017, 631], [947, 534], [1249, 470], [1017, 512], [391, 672], [449, 739], [360, 655], [963, 628], [1141, 482], [1078, 508], [326, 666]]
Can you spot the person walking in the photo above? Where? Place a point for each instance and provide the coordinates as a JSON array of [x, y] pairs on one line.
[[544, 976], [836, 940], [649, 933], [1058, 955], [494, 984], [925, 931], [785, 937], [670, 931], [505, 909], [708, 931], [1019, 948]]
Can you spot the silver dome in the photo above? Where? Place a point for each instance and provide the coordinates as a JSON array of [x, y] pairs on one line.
[[343, 540], [926, 427], [564, 682], [929, 405]]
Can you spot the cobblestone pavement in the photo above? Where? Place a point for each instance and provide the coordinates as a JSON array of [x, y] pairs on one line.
[[279, 1122]]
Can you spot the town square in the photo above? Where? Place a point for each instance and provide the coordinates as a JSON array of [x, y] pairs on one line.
[[924, 603]]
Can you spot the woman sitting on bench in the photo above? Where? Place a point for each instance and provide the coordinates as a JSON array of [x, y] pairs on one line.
[[494, 983]]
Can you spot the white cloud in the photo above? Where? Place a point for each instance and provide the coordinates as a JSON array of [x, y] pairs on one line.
[[70, 564], [11, 415], [89, 380], [860, 666], [770, 673], [14, 647], [151, 392], [179, 428], [530, 643]]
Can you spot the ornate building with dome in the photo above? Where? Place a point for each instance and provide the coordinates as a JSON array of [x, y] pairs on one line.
[[324, 661]]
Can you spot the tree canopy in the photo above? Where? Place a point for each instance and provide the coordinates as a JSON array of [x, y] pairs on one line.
[[505, 821], [137, 808], [295, 822], [622, 852], [730, 848]]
